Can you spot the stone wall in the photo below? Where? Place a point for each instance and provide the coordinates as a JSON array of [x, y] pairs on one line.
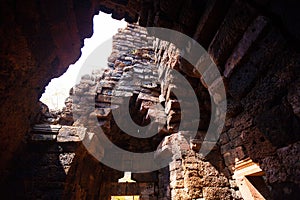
[[259, 72], [259, 69], [130, 76], [254, 43], [124, 62], [41, 171], [133, 74], [190, 175]]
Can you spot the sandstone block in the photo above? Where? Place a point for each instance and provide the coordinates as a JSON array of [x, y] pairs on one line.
[[71, 134], [172, 105], [175, 165], [177, 184], [273, 169], [211, 193], [233, 155]]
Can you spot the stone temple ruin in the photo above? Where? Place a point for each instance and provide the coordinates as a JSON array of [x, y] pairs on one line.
[[56, 155]]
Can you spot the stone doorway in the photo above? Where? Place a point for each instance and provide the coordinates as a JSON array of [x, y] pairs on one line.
[[136, 197], [129, 189]]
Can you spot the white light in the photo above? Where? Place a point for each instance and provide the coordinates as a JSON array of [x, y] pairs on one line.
[[58, 89]]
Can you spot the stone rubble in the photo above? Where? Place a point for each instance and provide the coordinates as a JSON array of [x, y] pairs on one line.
[[254, 43], [139, 72], [133, 75]]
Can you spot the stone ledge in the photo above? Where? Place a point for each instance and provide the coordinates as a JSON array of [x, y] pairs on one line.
[[58, 133]]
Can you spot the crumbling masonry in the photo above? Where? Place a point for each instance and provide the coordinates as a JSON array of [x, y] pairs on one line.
[[255, 47]]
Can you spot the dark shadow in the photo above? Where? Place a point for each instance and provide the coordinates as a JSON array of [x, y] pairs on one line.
[[37, 173]]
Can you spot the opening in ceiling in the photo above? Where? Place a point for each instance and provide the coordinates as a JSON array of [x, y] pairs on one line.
[[58, 89]]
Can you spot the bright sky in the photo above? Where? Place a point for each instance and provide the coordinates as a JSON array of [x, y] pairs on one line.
[[104, 28]]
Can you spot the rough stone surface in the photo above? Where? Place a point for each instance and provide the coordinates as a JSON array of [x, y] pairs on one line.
[[40, 39]]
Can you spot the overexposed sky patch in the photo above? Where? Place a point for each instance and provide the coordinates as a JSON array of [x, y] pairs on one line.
[[58, 89]]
